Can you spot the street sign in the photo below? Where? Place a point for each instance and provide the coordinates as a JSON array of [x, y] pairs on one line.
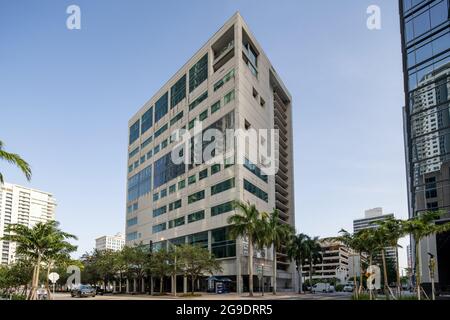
[[53, 277]]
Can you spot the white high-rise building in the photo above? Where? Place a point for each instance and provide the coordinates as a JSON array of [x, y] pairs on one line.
[[21, 205], [228, 85], [371, 217], [113, 243]]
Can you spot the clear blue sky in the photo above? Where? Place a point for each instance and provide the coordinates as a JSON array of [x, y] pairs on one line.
[[66, 97]]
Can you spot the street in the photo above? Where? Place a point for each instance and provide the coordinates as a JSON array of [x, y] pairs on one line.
[[231, 296]]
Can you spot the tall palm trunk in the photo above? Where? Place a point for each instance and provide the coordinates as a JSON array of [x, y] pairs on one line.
[[161, 285], [34, 288], [418, 278], [360, 275], [310, 273], [386, 284], [300, 280], [399, 285], [47, 287], [274, 271], [250, 266]]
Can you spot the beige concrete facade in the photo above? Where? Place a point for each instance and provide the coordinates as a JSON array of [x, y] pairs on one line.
[[260, 101]]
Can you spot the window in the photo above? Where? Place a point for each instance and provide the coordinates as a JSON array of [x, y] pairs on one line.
[[198, 73], [199, 239], [196, 216], [177, 118], [247, 125], [175, 205], [161, 107], [134, 132], [178, 92], [191, 124], [215, 168], [139, 184], [222, 245], [146, 142], [196, 196], [228, 97], [256, 191], [176, 222], [156, 196], [254, 169], [132, 236], [262, 102], [222, 186], [255, 93], [136, 164], [215, 107], [160, 211], [219, 84], [156, 149], [250, 57], [166, 170], [135, 206], [203, 174], [199, 100], [130, 168], [132, 222], [192, 179], [203, 115], [181, 184], [222, 208], [163, 193], [133, 153], [172, 188], [147, 120], [161, 130], [159, 227], [149, 154], [164, 144], [430, 188]]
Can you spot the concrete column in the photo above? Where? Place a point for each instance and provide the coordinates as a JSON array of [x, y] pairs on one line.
[[120, 286], [239, 285], [135, 285], [151, 285], [114, 286], [128, 286], [143, 285], [185, 284]]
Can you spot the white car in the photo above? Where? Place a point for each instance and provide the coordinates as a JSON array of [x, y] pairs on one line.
[[322, 287], [348, 288]]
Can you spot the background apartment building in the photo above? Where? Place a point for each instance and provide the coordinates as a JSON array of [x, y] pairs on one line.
[[20, 205], [425, 31], [371, 217], [228, 84], [113, 243], [335, 257]]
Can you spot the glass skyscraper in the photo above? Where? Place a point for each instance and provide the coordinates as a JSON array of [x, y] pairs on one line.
[[425, 28]]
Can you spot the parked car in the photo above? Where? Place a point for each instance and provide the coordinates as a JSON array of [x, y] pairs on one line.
[[348, 288], [42, 294], [322, 287], [83, 290]]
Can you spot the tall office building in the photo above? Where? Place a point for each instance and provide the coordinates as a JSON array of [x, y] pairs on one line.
[[371, 217], [228, 84], [425, 31], [20, 205], [112, 243]]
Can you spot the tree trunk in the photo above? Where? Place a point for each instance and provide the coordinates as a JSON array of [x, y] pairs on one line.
[[161, 285], [399, 284], [274, 271], [36, 280], [418, 287], [193, 285], [310, 274], [250, 266], [386, 283], [360, 275], [300, 268], [47, 287], [370, 290]]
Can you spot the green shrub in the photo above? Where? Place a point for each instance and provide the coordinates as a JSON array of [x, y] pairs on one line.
[[339, 287], [361, 296]]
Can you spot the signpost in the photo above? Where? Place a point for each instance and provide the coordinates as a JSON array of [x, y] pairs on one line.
[[53, 277]]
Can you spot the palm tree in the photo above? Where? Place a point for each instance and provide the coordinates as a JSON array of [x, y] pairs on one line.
[[249, 224], [36, 243], [276, 234], [314, 250], [16, 160], [354, 242], [297, 251], [392, 229], [419, 227]]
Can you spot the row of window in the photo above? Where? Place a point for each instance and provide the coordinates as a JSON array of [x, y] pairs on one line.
[[196, 216], [256, 191], [255, 170], [222, 245]]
